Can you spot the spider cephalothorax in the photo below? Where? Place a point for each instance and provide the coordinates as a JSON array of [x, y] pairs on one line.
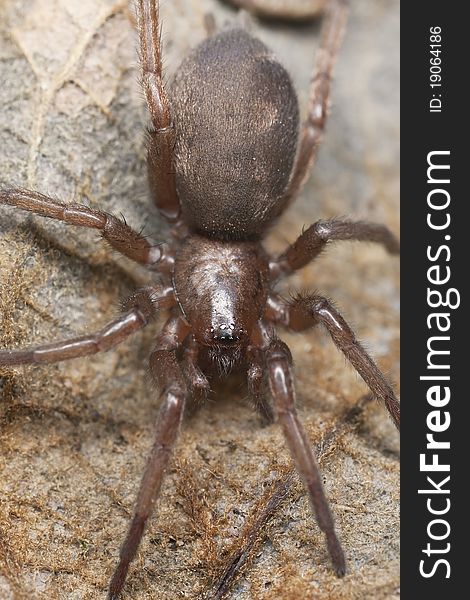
[[221, 289]]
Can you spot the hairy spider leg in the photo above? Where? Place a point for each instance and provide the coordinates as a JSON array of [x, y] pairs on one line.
[[315, 239], [115, 231], [281, 382], [142, 306], [314, 126], [166, 372], [161, 134], [307, 311]]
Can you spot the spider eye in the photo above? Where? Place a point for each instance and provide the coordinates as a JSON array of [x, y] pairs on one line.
[[226, 338], [226, 334]]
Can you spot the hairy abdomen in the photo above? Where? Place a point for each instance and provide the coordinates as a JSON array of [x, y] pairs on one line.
[[236, 118]]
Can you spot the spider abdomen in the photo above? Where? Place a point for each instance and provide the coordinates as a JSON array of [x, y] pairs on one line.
[[236, 118]]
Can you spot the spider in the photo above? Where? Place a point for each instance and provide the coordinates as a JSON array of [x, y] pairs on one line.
[[225, 159]]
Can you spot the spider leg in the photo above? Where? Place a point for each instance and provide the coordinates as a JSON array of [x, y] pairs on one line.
[[143, 305], [168, 375], [210, 24], [312, 129], [197, 381], [279, 364], [115, 231], [314, 239], [161, 138], [256, 385], [311, 310]]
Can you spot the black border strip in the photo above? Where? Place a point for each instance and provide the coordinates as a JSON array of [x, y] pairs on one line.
[[424, 132]]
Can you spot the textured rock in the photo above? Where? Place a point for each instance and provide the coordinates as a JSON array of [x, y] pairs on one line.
[[74, 436]]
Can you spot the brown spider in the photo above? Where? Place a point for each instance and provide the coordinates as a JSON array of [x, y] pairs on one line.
[[224, 162]]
